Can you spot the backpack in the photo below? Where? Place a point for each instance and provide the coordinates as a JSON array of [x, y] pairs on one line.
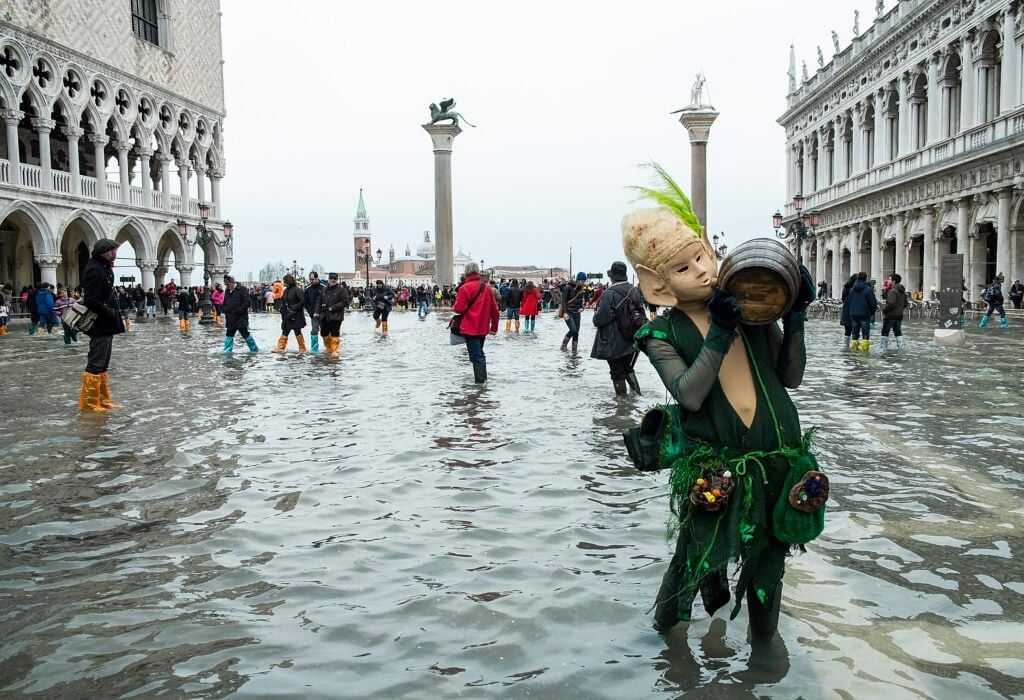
[[630, 314]]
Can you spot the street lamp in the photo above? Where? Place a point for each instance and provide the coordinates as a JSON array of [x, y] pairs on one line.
[[720, 249], [367, 258], [205, 236], [801, 228], [379, 254]]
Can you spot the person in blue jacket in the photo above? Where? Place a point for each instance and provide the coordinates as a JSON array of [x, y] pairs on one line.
[[862, 306]]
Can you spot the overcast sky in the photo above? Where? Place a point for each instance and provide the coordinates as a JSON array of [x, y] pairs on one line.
[[327, 97]]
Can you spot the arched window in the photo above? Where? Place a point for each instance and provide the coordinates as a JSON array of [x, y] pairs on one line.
[[145, 24]]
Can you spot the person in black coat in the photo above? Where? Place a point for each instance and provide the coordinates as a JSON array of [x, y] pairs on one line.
[[185, 307], [609, 343], [861, 305], [310, 302], [844, 310], [330, 311], [99, 297], [293, 318], [236, 315]]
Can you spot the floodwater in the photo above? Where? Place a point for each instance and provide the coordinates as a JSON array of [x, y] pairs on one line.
[[378, 526]]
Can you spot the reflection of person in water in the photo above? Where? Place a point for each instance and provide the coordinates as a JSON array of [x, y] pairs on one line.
[[735, 416]]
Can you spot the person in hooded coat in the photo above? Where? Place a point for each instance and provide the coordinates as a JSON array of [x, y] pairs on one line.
[[892, 312], [293, 318], [235, 305], [609, 342], [862, 305], [99, 297]]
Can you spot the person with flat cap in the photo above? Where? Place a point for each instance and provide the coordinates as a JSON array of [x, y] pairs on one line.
[[100, 298], [236, 314], [620, 313]]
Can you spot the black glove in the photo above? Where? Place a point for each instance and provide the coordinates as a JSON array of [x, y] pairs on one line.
[[805, 295], [724, 309]]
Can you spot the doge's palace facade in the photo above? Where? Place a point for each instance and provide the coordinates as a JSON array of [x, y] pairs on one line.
[[910, 144], [113, 126]]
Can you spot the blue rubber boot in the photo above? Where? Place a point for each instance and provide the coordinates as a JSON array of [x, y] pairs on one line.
[[314, 342], [1004, 322], [251, 342], [229, 344], [32, 329], [984, 321]]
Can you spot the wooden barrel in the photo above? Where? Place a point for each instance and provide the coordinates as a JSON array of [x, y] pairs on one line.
[[764, 277]]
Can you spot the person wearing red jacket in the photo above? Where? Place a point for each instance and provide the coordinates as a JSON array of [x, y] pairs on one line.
[[479, 311], [529, 306]]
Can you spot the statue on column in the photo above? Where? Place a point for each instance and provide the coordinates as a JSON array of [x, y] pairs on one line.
[[444, 112], [697, 92], [821, 58], [879, 7], [856, 23], [835, 40]]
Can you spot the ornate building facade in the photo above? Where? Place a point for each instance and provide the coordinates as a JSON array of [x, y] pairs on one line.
[[910, 144], [114, 128]]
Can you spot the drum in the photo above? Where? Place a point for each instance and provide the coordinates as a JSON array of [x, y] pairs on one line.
[[764, 277]]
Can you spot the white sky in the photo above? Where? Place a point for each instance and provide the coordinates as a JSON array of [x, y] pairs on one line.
[[325, 97]]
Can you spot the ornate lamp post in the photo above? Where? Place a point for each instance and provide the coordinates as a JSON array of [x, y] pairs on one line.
[[367, 258], [798, 228], [720, 248], [204, 237]]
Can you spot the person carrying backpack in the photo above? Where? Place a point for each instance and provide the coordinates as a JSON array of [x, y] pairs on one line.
[[994, 296], [620, 314]]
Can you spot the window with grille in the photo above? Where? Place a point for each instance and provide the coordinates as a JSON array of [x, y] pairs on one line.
[[144, 21]]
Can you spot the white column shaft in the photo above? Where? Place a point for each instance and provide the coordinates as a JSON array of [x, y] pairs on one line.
[[1008, 94], [1003, 262], [929, 273], [165, 182], [122, 166], [101, 169], [44, 158], [147, 181], [13, 153], [901, 245], [963, 239], [876, 250], [73, 164], [934, 101]]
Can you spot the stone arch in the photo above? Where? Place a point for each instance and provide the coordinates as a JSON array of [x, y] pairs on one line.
[[40, 233], [131, 229], [168, 241], [76, 237], [26, 240]]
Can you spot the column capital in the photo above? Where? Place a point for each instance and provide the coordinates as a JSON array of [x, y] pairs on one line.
[[183, 163], [1006, 193], [698, 123], [121, 146], [200, 168], [11, 116], [218, 271], [43, 126], [73, 133], [217, 174], [144, 151], [47, 260], [99, 139], [442, 135], [927, 210], [146, 265], [164, 157], [184, 269]]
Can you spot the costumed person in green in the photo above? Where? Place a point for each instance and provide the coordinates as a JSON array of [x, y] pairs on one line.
[[744, 486]]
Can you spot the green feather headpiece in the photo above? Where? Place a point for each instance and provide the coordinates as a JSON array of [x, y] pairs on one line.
[[667, 193]]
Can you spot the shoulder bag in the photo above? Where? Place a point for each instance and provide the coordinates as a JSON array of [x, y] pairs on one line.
[[455, 325]]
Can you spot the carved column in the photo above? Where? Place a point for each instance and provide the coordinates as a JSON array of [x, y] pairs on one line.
[[200, 169], [73, 133], [698, 121], [929, 273], [837, 262], [934, 99], [1008, 95], [215, 178], [840, 150], [443, 137], [99, 142], [858, 138], [12, 118], [185, 274], [147, 181], [148, 278], [43, 127], [165, 178], [963, 238], [876, 249], [881, 152], [900, 222], [48, 268], [903, 82], [183, 167], [124, 170], [819, 260], [968, 74], [1003, 236]]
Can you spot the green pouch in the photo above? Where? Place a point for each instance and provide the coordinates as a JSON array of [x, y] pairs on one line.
[[799, 514], [658, 441]]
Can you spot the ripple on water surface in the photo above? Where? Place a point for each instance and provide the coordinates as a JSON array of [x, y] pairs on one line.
[[376, 525]]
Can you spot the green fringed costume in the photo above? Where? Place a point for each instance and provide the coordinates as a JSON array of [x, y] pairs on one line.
[[756, 526]]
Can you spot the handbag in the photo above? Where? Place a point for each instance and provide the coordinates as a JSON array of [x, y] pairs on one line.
[[78, 317], [455, 325]]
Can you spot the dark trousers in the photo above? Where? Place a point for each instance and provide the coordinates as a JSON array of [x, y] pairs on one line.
[[330, 329], [892, 324], [996, 307], [382, 314], [572, 322], [475, 346], [241, 330], [621, 367], [99, 354]]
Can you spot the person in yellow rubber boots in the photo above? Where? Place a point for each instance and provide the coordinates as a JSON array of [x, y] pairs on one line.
[[293, 318], [330, 312], [100, 298]]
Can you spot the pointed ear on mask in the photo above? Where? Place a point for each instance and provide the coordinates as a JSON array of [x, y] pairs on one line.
[[709, 247], [653, 287]]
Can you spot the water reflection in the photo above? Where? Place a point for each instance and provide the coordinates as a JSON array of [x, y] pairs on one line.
[[377, 525]]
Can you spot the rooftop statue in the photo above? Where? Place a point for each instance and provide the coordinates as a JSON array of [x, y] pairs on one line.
[[697, 93], [835, 40], [444, 112]]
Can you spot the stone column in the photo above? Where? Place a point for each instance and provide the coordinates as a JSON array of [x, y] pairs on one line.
[[963, 235], [858, 139], [12, 118], [1008, 95], [100, 159], [876, 249], [183, 166], [159, 276], [929, 273], [200, 181], [125, 172], [43, 127], [839, 152], [934, 100], [881, 153], [819, 260], [148, 278], [215, 178], [968, 75], [903, 83], [48, 268], [185, 275], [443, 137], [147, 181], [73, 133], [900, 222], [1003, 236], [165, 178], [837, 263], [698, 121]]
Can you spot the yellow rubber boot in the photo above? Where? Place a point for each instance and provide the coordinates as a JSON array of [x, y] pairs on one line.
[[89, 397], [517, 325], [865, 345], [282, 343], [302, 343], [105, 400], [384, 329], [127, 324], [376, 323], [508, 325]]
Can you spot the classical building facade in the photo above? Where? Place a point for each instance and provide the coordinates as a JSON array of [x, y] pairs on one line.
[[910, 144], [114, 128]]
